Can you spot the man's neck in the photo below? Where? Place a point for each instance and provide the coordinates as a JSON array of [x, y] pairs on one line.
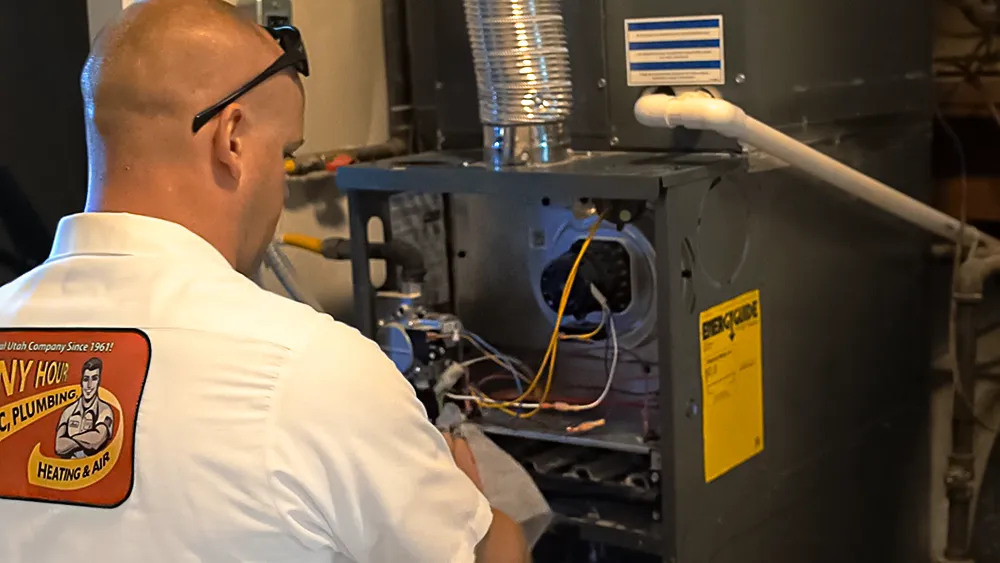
[[205, 221]]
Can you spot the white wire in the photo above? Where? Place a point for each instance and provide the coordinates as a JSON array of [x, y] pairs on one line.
[[611, 375], [563, 406], [475, 361], [492, 349], [508, 362], [504, 362], [489, 400]]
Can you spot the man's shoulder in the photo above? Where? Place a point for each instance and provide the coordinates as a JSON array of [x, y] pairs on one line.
[[10, 289], [104, 409], [221, 302], [316, 339], [241, 308], [338, 356], [67, 412], [331, 339]]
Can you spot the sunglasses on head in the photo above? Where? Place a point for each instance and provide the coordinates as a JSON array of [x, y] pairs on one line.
[[294, 56]]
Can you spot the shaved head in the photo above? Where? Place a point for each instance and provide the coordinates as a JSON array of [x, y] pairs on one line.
[[151, 71]]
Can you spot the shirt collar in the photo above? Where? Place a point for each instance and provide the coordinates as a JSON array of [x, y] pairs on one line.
[[125, 234]]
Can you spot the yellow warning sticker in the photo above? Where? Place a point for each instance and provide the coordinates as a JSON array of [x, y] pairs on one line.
[[732, 384]]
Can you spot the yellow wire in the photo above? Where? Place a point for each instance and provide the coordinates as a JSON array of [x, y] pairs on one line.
[[496, 360], [555, 333], [312, 244], [531, 387], [481, 402], [554, 340], [570, 280], [587, 336]]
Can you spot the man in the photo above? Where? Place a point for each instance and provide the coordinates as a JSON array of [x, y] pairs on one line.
[[85, 426], [265, 432]]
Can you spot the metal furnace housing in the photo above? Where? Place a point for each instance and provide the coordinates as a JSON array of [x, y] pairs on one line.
[[836, 465]]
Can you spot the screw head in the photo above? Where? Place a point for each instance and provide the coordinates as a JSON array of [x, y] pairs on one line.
[[741, 78], [692, 409], [601, 84], [614, 141]]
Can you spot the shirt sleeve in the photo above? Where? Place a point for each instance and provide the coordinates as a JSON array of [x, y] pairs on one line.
[[355, 465]]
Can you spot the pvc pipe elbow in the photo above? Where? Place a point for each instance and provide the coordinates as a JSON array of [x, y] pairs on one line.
[[973, 274], [650, 110], [692, 111], [696, 110]]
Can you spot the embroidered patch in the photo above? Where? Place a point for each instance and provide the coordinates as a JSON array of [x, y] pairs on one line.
[[68, 405]]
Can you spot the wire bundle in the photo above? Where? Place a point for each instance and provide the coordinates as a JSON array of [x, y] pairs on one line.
[[547, 367]]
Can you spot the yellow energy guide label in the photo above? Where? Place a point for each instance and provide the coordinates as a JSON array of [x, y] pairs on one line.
[[732, 383]]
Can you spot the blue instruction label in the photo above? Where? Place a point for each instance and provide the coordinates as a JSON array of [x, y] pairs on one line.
[[684, 51]]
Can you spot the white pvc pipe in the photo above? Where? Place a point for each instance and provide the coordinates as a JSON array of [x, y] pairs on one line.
[[698, 110]]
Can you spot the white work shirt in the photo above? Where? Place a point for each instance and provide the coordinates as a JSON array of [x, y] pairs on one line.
[[266, 432]]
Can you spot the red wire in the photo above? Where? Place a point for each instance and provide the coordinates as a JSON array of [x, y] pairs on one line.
[[338, 161]]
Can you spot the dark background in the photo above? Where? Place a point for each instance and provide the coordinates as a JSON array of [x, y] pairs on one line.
[[43, 161]]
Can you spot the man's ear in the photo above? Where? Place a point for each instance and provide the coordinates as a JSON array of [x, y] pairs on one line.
[[228, 142]]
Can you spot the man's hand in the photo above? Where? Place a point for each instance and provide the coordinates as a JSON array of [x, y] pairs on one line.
[[464, 458], [504, 543]]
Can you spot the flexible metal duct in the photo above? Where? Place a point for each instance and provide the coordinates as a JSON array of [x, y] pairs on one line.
[[523, 78]]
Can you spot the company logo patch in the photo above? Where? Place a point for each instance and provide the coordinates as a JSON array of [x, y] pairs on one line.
[[68, 405]]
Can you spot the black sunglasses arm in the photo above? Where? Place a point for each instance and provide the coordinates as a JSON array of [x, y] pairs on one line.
[[285, 61]]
